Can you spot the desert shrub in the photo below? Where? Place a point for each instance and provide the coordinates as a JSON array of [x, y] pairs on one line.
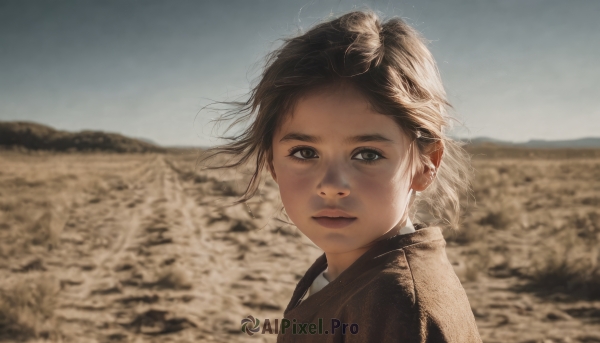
[[567, 264], [226, 188], [26, 228], [287, 230], [172, 277], [27, 308], [467, 234], [7, 205], [477, 259], [591, 201], [200, 178], [46, 229], [586, 225], [497, 218], [40, 230], [500, 214]]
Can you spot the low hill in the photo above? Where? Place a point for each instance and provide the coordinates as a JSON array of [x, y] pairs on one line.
[[34, 136], [494, 150], [484, 147], [586, 142]]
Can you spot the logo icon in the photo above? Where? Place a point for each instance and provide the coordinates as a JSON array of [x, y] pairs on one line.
[[250, 325]]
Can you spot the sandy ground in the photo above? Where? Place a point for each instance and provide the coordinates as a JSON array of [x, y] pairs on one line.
[[139, 248]]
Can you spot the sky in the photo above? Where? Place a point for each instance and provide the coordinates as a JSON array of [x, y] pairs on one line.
[[513, 69]]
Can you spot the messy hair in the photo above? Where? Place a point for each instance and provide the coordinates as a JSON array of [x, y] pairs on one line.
[[390, 64]]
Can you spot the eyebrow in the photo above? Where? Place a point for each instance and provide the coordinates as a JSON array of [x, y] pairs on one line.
[[295, 136], [368, 138]]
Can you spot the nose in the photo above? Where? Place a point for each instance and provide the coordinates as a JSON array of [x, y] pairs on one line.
[[334, 183]]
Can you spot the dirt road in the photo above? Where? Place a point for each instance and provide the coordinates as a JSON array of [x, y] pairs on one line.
[[146, 253]]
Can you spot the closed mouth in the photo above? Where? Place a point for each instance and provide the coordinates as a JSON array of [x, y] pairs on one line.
[[334, 222], [333, 213], [335, 217]]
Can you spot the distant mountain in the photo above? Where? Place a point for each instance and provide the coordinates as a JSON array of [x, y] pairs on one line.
[[587, 142], [34, 136]]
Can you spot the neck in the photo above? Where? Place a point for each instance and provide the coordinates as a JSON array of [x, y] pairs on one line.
[[338, 262]]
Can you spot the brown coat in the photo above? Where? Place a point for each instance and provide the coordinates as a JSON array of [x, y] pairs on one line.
[[403, 289]]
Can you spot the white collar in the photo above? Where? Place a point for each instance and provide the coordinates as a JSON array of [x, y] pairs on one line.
[[408, 227]]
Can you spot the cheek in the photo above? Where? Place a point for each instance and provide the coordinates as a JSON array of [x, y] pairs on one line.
[[295, 189], [384, 194]]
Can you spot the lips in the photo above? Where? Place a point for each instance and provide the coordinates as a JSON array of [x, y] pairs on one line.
[[333, 218], [335, 222]]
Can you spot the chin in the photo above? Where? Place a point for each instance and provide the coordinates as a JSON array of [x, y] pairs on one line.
[[332, 246]]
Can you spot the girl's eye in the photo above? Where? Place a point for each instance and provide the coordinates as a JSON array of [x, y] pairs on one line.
[[368, 155], [304, 154]]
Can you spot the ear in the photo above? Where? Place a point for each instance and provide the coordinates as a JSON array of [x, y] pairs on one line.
[[424, 178]]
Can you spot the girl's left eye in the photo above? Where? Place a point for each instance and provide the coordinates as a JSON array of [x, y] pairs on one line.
[[368, 155]]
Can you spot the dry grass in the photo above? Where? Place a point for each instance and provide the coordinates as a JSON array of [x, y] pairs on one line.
[[467, 234], [141, 246], [558, 271], [144, 249], [546, 204], [477, 260], [569, 261], [172, 277], [27, 308], [527, 252]]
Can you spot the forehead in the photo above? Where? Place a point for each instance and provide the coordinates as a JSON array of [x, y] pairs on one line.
[[336, 113]]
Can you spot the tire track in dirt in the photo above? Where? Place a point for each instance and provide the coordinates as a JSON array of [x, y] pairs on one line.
[[151, 253], [233, 253], [98, 235], [201, 240], [146, 267]]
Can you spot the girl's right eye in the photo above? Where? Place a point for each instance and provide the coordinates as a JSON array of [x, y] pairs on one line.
[[303, 154]]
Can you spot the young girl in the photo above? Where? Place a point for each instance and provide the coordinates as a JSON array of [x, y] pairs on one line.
[[350, 120]]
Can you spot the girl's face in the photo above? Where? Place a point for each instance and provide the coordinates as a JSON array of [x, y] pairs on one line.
[[336, 157]]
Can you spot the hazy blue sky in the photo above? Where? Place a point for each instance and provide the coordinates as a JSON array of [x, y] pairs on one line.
[[513, 69]]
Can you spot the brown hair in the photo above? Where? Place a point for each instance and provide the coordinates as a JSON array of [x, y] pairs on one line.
[[389, 63]]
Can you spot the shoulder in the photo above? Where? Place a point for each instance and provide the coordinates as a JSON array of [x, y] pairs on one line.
[[432, 273], [387, 286], [383, 306], [440, 300], [427, 259]]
